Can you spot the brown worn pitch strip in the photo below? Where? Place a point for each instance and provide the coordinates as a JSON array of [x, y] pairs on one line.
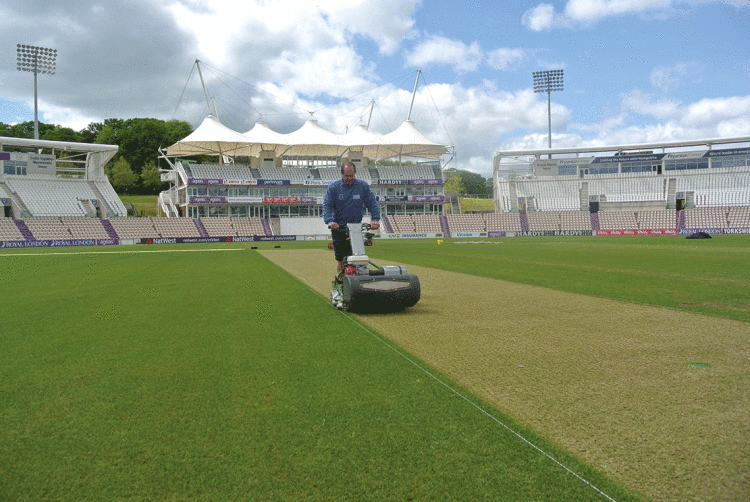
[[614, 383]]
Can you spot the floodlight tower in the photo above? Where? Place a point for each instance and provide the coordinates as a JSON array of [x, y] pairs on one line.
[[36, 60], [548, 81]]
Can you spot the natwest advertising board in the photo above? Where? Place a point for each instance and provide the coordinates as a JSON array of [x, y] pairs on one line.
[[637, 231]]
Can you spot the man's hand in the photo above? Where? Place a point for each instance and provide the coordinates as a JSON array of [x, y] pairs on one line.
[[375, 225], [334, 226]]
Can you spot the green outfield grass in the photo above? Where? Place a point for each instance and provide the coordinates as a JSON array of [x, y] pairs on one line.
[[703, 276], [186, 373], [143, 203]]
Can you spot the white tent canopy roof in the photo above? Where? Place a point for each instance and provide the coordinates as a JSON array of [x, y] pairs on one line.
[[266, 139], [407, 141], [311, 139], [213, 138]]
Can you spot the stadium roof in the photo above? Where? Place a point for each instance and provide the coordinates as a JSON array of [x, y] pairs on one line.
[[618, 148], [213, 138]]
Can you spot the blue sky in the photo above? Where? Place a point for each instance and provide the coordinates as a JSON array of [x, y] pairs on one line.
[[635, 70]]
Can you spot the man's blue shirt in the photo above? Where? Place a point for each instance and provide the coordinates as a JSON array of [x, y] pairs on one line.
[[345, 204]]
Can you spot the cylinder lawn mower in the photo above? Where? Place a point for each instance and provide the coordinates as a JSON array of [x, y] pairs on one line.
[[361, 289]]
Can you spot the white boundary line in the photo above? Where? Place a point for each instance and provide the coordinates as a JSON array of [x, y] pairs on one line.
[[125, 252], [394, 349]]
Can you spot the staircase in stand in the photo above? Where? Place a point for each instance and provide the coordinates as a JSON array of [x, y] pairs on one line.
[[444, 226], [110, 229], [200, 227], [266, 227], [104, 209], [595, 222], [27, 235], [524, 222], [680, 221]]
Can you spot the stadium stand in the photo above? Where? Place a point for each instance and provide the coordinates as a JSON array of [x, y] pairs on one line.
[[9, 230], [544, 221], [248, 226], [739, 217], [657, 219], [706, 217], [575, 220], [52, 228], [502, 222], [233, 226], [466, 222], [53, 197], [175, 227], [401, 223], [218, 227], [701, 184], [596, 193], [85, 228], [134, 228], [221, 171], [614, 220], [427, 223]]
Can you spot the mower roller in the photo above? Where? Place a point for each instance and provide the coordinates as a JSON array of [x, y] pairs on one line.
[[365, 288]]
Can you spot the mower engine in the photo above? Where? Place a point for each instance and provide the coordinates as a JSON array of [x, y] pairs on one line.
[[362, 289]]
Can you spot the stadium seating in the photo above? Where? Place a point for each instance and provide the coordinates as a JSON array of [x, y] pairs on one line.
[[401, 223], [739, 217], [48, 228], [175, 227], [617, 220], [427, 223], [502, 222], [706, 217], [52, 197], [247, 226], [110, 197], [85, 228], [656, 219], [9, 230], [466, 222], [575, 220], [405, 172], [134, 228], [544, 221], [221, 171], [218, 227]]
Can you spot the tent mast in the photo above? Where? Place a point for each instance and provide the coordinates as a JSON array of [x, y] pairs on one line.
[[208, 102], [372, 105], [413, 94]]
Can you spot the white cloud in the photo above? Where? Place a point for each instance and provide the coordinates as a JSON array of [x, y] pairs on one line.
[[707, 118], [643, 104], [444, 51], [67, 117], [718, 112], [667, 78], [591, 11], [387, 22], [298, 23], [543, 17], [540, 18], [505, 58]]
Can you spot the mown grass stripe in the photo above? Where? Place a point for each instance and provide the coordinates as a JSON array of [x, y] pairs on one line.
[[472, 403]]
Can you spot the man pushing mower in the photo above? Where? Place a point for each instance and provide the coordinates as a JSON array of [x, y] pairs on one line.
[[344, 203], [356, 287]]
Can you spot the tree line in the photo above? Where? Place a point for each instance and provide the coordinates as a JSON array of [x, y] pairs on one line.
[[134, 167]]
